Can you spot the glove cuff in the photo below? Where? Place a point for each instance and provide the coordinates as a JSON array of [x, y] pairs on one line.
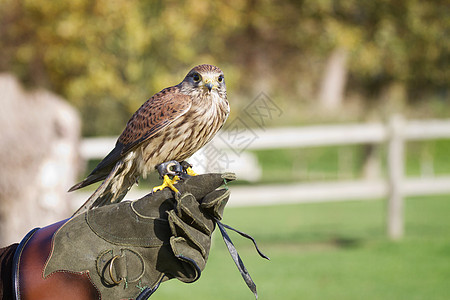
[[32, 258]]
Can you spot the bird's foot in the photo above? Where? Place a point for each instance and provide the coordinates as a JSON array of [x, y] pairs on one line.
[[187, 168], [170, 172], [167, 182], [191, 172]]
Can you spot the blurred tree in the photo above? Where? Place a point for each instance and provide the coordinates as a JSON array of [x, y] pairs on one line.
[[397, 41], [108, 57]]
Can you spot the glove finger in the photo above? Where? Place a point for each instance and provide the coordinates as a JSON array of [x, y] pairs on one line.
[[214, 203], [196, 238], [193, 261], [188, 210], [201, 185]]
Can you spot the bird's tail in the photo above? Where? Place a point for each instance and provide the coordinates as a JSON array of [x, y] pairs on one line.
[[93, 178], [112, 190]]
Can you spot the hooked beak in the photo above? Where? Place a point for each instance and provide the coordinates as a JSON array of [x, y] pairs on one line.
[[209, 85]]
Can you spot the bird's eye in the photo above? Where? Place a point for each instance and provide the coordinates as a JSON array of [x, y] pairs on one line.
[[220, 79], [196, 77]]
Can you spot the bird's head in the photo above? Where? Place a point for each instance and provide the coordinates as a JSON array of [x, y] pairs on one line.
[[205, 79]]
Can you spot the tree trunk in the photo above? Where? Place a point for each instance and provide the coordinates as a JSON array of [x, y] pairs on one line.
[[334, 80]]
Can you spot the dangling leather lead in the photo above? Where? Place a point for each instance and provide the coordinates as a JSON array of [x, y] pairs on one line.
[[235, 255]]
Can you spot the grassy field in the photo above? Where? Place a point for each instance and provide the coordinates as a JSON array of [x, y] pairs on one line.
[[330, 251]]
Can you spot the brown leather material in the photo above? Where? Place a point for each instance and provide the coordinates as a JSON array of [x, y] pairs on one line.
[[57, 285], [6, 269]]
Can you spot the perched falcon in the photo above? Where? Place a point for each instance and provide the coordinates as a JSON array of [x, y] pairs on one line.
[[172, 125]]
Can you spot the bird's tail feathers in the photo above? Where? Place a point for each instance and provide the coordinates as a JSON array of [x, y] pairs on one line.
[[105, 194], [93, 178]]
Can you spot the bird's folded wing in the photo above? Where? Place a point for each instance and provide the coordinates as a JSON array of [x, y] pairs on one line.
[[153, 116]]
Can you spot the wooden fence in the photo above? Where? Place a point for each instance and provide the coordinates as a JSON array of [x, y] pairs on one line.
[[395, 187]]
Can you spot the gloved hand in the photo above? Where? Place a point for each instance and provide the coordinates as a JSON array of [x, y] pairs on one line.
[[129, 248]]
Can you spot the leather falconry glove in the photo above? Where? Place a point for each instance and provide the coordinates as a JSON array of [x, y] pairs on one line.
[[124, 250]]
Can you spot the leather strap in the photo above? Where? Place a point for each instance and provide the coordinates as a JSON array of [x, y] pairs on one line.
[[16, 259], [235, 255], [30, 260]]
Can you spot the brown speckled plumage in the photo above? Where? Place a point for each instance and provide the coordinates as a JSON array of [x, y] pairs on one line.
[[172, 125]]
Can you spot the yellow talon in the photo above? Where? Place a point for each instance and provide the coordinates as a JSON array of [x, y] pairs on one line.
[[167, 182], [191, 172]]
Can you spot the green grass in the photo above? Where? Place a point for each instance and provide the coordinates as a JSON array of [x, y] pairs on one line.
[[330, 251], [431, 154]]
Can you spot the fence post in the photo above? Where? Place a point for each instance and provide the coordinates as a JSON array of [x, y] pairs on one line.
[[396, 145]]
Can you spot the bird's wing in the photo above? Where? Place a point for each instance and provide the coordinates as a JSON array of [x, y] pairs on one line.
[[153, 116]]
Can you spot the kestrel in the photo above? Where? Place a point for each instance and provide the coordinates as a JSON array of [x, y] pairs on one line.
[[172, 125]]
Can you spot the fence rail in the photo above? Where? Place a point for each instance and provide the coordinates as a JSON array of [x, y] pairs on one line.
[[394, 133]]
